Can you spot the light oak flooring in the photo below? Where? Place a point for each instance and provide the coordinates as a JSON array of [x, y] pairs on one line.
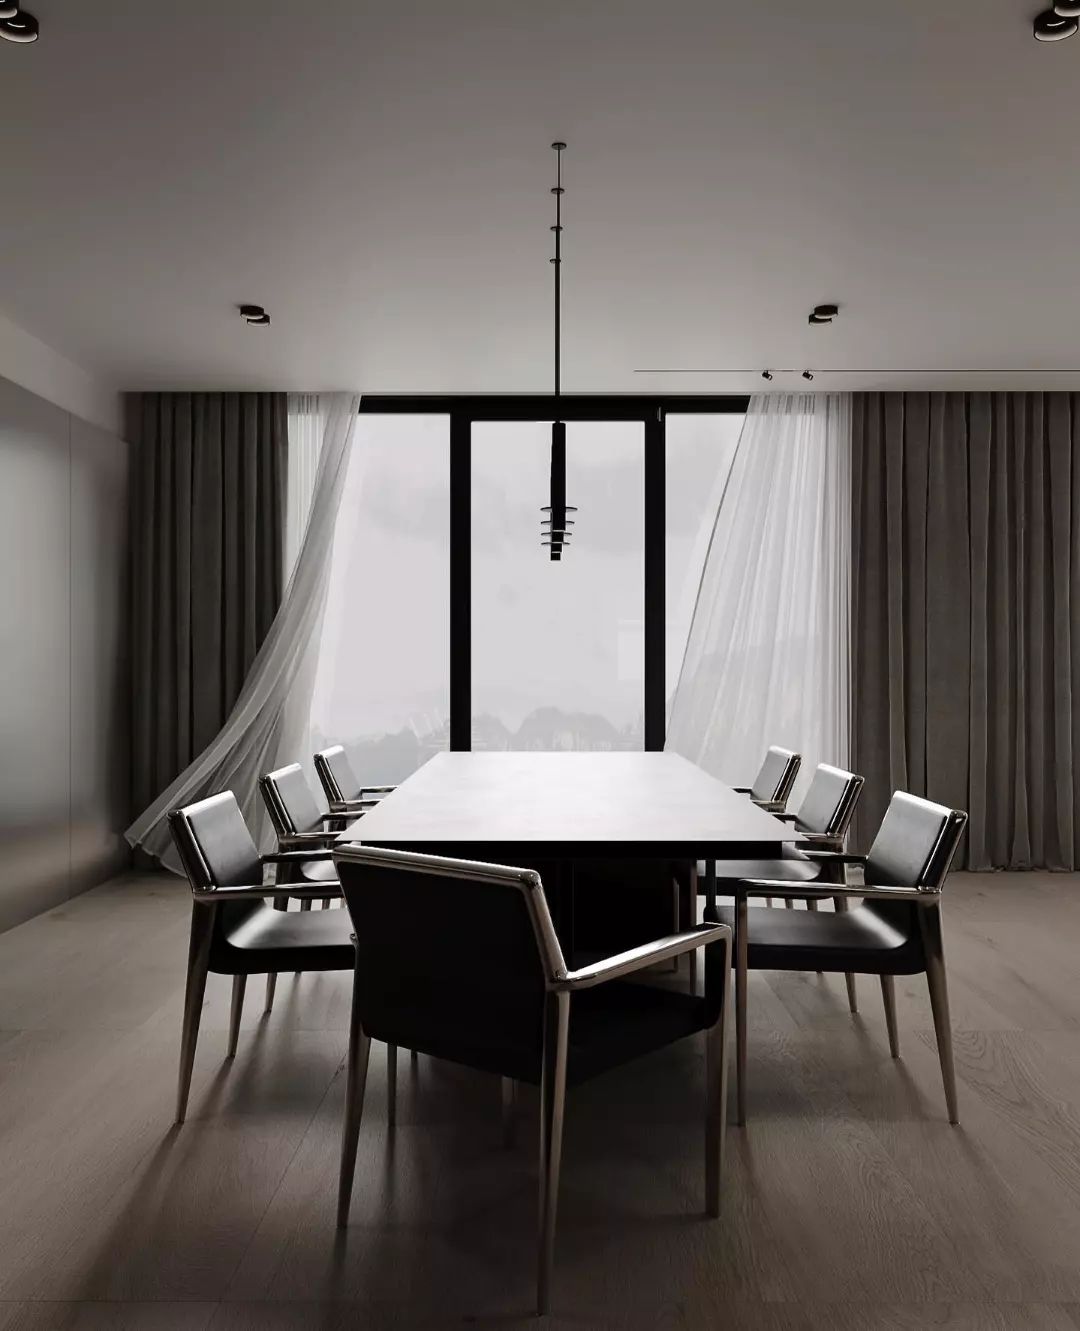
[[850, 1204]]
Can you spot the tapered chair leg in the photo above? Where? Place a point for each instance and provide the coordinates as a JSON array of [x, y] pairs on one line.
[[239, 985], [742, 957], [552, 1108], [888, 995], [391, 1084], [930, 918], [305, 904], [840, 905], [202, 928], [716, 1065], [509, 1109], [271, 986], [356, 1080]]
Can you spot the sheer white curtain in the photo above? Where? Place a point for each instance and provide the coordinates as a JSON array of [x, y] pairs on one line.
[[268, 724], [767, 659]]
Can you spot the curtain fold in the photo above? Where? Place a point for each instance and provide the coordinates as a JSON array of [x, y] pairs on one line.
[[268, 719], [767, 658], [966, 529], [206, 565]]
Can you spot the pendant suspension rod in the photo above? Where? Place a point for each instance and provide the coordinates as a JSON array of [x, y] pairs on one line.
[[557, 261]]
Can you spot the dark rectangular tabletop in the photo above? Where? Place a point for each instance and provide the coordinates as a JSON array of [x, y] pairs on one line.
[[550, 805]]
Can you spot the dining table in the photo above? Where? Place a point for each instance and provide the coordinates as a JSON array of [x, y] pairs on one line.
[[569, 811]]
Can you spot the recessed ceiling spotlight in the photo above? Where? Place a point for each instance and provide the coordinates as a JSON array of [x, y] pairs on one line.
[[8, 8], [824, 314], [766, 374], [1067, 8], [1054, 27], [254, 314], [19, 27], [807, 375]]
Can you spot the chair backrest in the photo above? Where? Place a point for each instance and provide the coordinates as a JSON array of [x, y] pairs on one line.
[[915, 844], [336, 775], [777, 775], [289, 801], [453, 957], [215, 845], [829, 802], [914, 847]]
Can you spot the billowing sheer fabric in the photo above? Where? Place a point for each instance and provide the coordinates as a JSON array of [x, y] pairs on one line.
[[767, 658], [268, 723]]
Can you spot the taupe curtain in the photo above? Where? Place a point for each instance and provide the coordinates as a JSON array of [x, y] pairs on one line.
[[966, 631], [207, 531]]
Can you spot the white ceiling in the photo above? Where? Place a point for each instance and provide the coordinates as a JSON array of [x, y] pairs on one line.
[[377, 176]]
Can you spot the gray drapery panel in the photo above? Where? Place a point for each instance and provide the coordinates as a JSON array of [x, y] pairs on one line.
[[207, 524], [966, 633]]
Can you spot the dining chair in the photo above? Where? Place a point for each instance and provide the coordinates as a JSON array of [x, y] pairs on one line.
[[235, 929], [461, 961], [895, 930], [820, 823], [773, 783], [298, 821], [341, 785]]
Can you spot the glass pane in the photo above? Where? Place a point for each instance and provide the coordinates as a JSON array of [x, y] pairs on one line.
[[698, 451], [382, 687], [558, 648]]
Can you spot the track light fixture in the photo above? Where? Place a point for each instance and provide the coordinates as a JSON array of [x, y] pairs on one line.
[[17, 25], [1053, 26], [766, 374], [254, 314], [807, 375]]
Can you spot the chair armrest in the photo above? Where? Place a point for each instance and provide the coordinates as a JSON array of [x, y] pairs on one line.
[[638, 958], [269, 891], [299, 840], [775, 807], [377, 790], [834, 856], [351, 808], [298, 856], [768, 887]]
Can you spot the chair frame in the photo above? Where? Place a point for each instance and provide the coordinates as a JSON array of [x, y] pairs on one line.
[[926, 896], [207, 898], [560, 984], [782, 793], [369, 796]]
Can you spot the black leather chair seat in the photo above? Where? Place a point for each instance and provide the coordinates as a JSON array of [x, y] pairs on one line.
[[319, 871], [795, 868], [609, 1025], [264, 940], [856, 940]]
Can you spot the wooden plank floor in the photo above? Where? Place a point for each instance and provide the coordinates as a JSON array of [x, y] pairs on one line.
[[850, 1203]]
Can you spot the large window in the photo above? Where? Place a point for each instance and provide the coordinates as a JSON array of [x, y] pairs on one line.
[[557, 647], [699, 449], [523, 652], [382, 683]]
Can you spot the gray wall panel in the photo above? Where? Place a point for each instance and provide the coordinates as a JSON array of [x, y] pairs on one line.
[[99, 712], [64, 763]]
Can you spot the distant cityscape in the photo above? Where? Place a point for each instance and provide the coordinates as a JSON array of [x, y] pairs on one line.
[[392, 757]]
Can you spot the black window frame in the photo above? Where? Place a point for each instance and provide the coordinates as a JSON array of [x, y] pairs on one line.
[[652, 411]]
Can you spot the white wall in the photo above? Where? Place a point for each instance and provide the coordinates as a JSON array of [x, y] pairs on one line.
[[27, 361], [64, 776]]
